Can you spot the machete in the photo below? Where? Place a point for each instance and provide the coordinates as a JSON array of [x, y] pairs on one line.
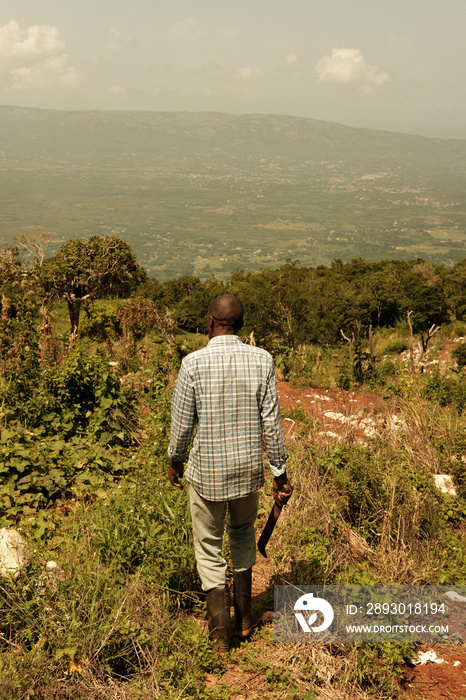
[[268, 529]]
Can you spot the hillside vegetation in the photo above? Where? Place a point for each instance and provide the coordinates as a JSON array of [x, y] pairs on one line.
[[84, 432], [209, 193]]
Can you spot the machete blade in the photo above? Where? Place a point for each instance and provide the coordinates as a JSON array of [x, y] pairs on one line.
[[268, 529]]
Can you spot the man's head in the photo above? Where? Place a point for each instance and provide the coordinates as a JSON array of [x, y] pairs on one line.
[[225, 315]]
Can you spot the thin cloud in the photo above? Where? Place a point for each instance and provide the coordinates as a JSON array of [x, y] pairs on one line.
[[291, 59], [346, 66], [118, 41], [186, 28], [249, 73], [118, 90], [33, 57]]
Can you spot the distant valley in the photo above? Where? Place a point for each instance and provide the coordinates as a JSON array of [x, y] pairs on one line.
[[207, 193]]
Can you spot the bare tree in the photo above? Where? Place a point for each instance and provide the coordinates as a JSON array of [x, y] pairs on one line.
[[35, 244], [350, 342], [425, 336]]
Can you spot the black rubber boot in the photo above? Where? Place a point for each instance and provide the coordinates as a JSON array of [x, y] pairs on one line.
[[245, 621], [218, 616]]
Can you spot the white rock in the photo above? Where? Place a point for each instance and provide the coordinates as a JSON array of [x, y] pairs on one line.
[[370, 432], [445, 484], [12, 551], [453, 595], [52, 566], [336, 416], [330, 434], [49, 577], [425, 657]]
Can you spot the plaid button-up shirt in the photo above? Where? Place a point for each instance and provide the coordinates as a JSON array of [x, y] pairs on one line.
[[228, 389]]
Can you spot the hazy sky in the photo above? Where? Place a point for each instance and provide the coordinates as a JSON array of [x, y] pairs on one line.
[[398, 65]]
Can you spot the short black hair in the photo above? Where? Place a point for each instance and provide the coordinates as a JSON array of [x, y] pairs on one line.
[[227, 310]]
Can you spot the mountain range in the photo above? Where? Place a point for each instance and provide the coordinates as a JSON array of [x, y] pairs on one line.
[[207, 193]]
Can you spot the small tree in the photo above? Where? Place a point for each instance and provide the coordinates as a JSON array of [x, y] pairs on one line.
[[138, 316], [87, 269]]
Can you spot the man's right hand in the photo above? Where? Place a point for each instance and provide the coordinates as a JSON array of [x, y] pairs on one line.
[[282, 489], [175, 471]]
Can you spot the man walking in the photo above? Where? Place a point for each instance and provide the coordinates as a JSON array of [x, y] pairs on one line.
[[228, 391]]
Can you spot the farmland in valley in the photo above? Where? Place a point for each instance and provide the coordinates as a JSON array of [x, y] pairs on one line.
[[206, 193]]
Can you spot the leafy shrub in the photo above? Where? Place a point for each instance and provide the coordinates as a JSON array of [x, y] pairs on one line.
[[386, 369], [436, 388], [138, 316], [376, 494], [380, 666], [85, 394], [283, 358], [396, 348], [459, 354], [82, 395], [36, 469], [446, 391], [101, 324], [314, 555], [19, 351], [144, 527], [381, 375]]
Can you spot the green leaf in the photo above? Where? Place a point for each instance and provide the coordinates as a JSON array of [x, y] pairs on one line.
[[6, 435]]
